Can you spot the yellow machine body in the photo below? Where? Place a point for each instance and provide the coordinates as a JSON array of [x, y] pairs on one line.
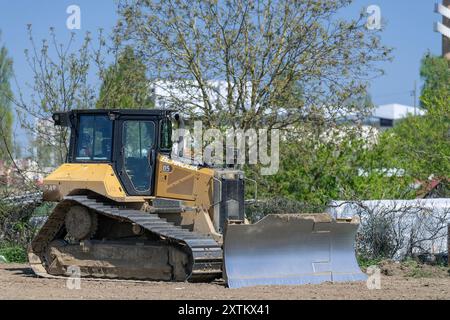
[[174, 180], [71, 178]]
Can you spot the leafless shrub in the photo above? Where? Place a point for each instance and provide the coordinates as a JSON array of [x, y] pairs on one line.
[[14, 223], [398, 229]]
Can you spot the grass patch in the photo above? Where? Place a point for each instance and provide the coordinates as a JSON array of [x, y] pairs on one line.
[[45, 209], [417, 270], [409, 268], [365, 262], [13, 253]]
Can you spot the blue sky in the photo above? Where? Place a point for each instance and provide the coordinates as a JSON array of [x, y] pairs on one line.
[[409, 30]]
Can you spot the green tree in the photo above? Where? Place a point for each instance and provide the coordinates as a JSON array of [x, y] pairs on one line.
[[125, 83], [6, 115], [320, 163], [435, 71], [420, 146]]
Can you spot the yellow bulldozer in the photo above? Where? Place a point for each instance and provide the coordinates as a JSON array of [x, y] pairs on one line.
[[128, 209]]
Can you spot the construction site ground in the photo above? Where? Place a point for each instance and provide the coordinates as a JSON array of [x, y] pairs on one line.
[[397, 282]]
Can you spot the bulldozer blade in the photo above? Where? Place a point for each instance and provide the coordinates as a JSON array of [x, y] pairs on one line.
[[291, 250]]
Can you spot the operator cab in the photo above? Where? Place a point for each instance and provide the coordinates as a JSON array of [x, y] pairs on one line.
[[129, 140]]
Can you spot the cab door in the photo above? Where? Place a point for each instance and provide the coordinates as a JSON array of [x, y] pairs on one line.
[[137, 141]]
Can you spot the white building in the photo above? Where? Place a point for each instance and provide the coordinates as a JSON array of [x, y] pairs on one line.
[[385, 116], [183, 93]]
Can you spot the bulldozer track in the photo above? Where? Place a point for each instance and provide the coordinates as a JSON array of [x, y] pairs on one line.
[[206, 253]]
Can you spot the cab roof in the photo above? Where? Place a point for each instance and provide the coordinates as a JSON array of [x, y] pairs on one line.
[[64, 118]]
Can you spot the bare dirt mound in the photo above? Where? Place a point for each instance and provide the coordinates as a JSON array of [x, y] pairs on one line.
[[413, 269]]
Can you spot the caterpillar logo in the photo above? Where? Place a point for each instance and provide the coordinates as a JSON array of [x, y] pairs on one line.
[[445, 12]]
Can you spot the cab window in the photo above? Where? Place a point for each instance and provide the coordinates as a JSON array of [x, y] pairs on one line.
[[94, 138], [166, 136], [138, 141]]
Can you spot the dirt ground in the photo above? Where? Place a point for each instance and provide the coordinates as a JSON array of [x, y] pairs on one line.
[[17, 282]]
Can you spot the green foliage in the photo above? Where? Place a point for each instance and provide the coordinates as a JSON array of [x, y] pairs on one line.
[[415, 269], [125, 84], [365, 262], [319, 165], [14, 224], [420, 146], [13, 253], [45, 209], [6, 115], [315, 172], [435, 97]]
